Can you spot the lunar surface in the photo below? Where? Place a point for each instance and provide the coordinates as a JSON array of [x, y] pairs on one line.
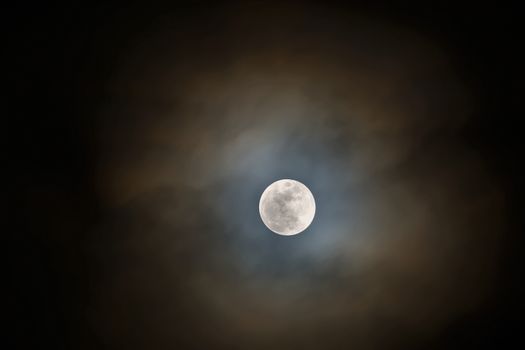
[[287, 207]]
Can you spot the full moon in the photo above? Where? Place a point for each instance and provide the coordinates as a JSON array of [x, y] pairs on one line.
[[287, 207]]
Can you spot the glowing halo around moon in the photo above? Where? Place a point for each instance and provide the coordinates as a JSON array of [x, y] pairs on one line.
[[287, 207]]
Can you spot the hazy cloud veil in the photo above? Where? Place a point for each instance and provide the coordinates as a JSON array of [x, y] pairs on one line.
[[364, 113]]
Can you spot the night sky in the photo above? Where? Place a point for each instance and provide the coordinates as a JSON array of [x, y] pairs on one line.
[[140, 138]]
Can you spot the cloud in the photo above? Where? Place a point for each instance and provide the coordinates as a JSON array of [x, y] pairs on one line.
[[365, 114]]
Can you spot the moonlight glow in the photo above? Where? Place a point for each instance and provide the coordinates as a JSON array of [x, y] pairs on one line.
[[287, 207]]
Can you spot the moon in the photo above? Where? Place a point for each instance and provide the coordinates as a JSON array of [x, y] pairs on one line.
[[287, 207]]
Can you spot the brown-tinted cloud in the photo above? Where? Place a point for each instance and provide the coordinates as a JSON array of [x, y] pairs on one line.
[[365, 113]]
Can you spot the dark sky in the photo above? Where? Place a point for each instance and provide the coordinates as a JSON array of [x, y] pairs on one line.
[[140, 138]]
